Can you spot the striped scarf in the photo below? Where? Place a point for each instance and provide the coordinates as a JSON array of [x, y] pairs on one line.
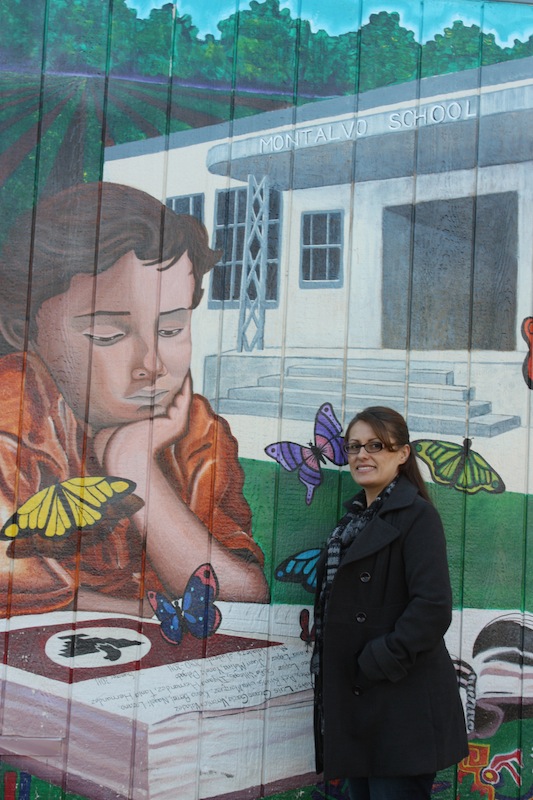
[[349, 527]]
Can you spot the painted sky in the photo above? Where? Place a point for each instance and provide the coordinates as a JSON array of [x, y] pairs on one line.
[[508, 21]]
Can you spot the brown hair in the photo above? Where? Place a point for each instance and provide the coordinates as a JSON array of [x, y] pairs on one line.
[[86, 229], [391, 428]]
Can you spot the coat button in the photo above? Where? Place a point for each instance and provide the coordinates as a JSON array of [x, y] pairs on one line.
[[356, 690], [364, 577], [360, 617]]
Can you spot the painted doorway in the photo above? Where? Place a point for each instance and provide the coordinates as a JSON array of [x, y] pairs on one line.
[[449, 274]]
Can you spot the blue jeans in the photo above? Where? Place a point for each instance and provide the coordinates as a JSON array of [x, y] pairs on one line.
[[415, 787]]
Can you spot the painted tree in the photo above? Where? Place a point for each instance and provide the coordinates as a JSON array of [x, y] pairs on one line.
[[167, 38], [460, 47], [331, 64], [77, 36], [21, 34], [522, 49], [123, 44], [266, 47], [389, 53], [217, 62]]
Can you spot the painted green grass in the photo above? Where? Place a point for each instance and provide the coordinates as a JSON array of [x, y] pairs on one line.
[[487, 534]]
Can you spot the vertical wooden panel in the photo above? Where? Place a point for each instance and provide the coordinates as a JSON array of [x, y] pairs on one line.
[[28, 164]]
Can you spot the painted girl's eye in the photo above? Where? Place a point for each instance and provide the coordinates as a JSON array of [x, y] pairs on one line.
[[167, 334], [104, 341]]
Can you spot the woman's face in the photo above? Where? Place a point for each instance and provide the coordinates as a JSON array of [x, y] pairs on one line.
[[373, 471]]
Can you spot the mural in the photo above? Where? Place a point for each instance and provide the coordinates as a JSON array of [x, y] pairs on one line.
[[226, 228]]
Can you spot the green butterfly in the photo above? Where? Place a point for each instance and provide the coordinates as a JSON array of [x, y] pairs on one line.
[[459, 466]]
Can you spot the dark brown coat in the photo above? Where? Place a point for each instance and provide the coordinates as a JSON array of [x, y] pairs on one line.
[[390, 696]]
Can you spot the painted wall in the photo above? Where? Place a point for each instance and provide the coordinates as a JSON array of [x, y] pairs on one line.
[[371, 165]]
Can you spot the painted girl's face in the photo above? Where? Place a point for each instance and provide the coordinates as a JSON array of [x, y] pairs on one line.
[[118, 345]]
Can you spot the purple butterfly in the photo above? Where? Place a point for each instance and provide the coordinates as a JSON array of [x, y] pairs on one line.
[[307, 460]]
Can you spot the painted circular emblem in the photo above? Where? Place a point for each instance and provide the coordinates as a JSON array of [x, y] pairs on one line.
[[96, 647]]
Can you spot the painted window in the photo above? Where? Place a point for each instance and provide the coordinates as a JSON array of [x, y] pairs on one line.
[[229, 237], [192, 204], [321, 250]]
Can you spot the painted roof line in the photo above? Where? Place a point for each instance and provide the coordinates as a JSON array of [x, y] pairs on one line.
[[480, 78]]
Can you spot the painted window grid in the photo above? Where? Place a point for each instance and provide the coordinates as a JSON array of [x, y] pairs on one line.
[[321, 250], [229, 237], [192, 204]]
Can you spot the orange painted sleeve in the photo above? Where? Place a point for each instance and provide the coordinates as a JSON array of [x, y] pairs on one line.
[[41, 443]]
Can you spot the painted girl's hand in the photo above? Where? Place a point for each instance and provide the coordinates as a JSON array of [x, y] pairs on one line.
[[129, 451], [174, 424]]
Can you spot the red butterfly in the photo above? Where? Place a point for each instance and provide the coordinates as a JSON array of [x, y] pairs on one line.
[[527, 367], [306, 635]]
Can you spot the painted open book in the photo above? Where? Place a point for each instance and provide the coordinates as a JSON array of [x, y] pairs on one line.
[[85, 695]]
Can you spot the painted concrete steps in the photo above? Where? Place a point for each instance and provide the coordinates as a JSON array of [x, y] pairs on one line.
[[369, 388], [374, 370], [255, 386], [360, 395], [487, 425]]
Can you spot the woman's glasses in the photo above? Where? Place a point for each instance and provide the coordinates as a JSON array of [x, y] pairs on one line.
[[371, 447]]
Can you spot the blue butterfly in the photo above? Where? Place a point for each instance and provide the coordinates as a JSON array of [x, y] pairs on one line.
[[198, 613], [307, 460], [300, 568]]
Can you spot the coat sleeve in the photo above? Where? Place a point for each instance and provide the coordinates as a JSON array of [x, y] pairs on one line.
[[428, 613]]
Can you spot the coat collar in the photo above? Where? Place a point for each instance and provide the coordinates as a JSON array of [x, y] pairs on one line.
[[379, 532], [403, 495]]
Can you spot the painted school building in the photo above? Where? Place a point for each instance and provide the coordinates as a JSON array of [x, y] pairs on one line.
[[376, 248]]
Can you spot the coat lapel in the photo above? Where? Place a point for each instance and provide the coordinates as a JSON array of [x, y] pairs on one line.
[[374, 537], [379, 532]]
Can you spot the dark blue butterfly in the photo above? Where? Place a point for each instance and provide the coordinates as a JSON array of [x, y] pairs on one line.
[[307, 460], [300, 568], [198, 613]]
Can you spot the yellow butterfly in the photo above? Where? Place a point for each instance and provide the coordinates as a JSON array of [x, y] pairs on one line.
[[459, 466], [74, 504]]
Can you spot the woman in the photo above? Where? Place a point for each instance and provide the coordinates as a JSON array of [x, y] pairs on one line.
[[387, 709]]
